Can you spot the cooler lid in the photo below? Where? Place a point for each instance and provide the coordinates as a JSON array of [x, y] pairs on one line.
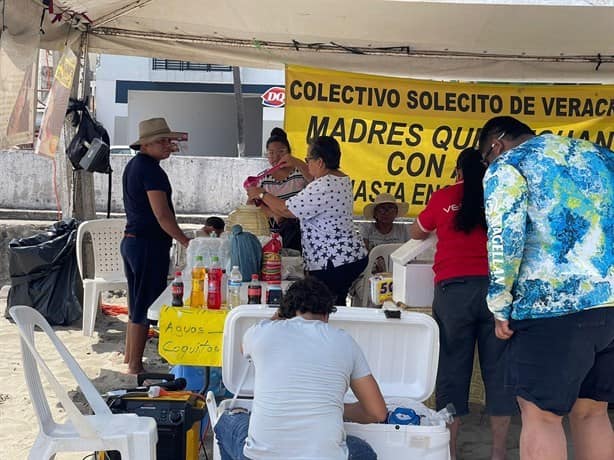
[[412, 249], [402, 353]]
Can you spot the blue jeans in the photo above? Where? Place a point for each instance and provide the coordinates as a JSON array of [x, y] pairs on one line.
[[231, 431]]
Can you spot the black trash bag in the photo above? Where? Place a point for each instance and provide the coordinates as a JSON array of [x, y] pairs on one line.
[[43, 270]]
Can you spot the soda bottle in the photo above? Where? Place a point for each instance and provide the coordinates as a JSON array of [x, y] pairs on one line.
[[234, 287], [177, 290], [214, 285], [254, 290], [273, 293], [197, 297], [271, 259]]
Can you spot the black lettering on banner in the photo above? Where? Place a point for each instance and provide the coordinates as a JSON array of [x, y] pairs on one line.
[[334, 91], [522, 105], [600, 139], [366, 191], [358, 130], [378, 128], [421, 193], [605, 139], [442, 135], [338, 130], [295, 89], [578, 108], [414, 135], [416, 164], [395, 132], [314, 129], [452, 102]]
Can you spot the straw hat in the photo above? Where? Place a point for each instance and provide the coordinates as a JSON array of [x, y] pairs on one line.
[[382, 198], [151, 130]]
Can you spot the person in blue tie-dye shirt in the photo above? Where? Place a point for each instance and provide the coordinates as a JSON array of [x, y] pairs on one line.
[[550, 211]]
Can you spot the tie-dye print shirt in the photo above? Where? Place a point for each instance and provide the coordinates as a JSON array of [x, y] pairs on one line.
[[550, 213]]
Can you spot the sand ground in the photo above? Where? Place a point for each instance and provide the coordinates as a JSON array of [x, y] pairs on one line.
[[101, 358]]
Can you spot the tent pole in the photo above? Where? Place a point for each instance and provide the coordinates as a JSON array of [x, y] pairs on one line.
[[84, 206], [236, 79]]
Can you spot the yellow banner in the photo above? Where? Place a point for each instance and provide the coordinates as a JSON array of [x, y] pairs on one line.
[[191, 336], [403, 136]]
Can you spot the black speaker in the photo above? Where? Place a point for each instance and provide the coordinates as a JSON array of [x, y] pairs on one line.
[[96, 159], [178, 418]]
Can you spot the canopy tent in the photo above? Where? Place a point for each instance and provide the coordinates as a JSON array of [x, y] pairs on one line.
[[518, 40]]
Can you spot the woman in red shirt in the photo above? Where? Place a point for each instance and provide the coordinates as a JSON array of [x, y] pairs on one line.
[[456, 214]]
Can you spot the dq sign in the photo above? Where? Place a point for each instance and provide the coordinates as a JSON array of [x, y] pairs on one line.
[[274, 97]]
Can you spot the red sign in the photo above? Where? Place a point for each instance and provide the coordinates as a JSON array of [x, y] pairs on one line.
[[274, 97]]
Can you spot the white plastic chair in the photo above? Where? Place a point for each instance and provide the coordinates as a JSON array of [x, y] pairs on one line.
[[362, 296], [106, 235], [133, 436]]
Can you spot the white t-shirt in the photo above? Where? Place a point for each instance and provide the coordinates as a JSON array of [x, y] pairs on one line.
[[303, 369], [398, 234], [325, 210]]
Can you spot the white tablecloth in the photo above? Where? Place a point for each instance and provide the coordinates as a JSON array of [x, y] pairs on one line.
[[153, 312]]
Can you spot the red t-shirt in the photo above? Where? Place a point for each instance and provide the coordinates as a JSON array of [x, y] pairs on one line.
[[458, 253]]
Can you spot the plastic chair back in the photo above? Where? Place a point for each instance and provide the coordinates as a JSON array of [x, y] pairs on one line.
[[101, 431], [106, 235], [362, 283], [26, 319]]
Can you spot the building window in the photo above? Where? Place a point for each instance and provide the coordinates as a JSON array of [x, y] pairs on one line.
[[172, 64]]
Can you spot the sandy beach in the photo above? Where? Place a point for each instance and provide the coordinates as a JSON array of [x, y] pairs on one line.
[[102, 359]]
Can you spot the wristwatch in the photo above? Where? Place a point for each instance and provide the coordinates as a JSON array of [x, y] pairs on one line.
[[261, 196]]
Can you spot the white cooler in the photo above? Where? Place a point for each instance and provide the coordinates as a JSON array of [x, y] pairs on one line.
[[402, 353], [412, 272]]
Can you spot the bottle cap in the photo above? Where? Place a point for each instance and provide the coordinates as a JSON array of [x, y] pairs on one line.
[[215, 259], [235, 266], [199, 258], [254, 276], [177, 273]]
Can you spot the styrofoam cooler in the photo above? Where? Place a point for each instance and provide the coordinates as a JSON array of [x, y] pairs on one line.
[[402, 354], [412, 272]]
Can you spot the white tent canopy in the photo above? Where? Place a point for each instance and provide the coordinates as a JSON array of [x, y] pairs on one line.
[[552, 41]]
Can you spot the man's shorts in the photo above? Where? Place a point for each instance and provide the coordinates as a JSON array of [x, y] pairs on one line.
[[146, 264], [554, 361]]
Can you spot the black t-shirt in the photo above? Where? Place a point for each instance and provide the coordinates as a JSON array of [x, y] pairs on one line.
[[143, 173]]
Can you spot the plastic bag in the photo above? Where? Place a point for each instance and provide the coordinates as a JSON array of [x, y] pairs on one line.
[[44, 273], [245, 252]]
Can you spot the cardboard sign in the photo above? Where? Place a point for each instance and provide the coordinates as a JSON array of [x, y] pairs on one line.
[[191, 336]]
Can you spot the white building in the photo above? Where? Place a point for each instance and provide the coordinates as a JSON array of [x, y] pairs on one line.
[[194, 98]]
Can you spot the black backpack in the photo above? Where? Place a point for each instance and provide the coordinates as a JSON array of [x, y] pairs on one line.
[[88, 130]]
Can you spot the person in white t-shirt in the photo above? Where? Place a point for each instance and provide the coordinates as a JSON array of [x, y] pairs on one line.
[[303, 369]]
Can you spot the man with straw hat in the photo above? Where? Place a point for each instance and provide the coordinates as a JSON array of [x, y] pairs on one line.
[[385, 209], [150, 228]]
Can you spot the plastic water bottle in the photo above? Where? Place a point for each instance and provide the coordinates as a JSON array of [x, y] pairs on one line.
[[234, 287], [177, 290], [445, 415], [214, 285], [197, 297], [224, 288]]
